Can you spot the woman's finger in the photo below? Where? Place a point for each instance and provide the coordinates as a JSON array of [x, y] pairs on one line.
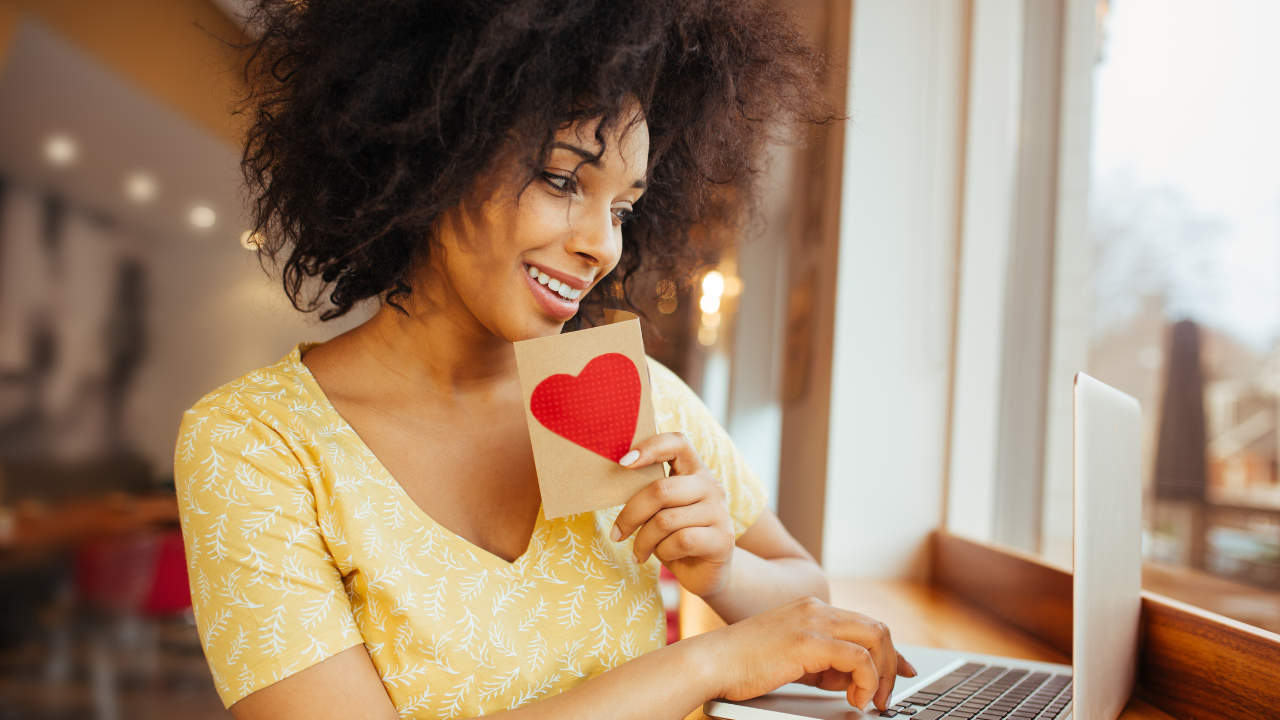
[[874, 636], [888, 672], [667, 522], [905, 668], [674, 491], [690, 542], [673, 448], [855, 660], [833, 680]]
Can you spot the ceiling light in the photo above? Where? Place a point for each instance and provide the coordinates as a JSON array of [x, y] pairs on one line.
[[140, 187], [202, 217], [60, 150]]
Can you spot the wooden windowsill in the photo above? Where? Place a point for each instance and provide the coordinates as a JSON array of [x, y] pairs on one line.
[[1253, 605]]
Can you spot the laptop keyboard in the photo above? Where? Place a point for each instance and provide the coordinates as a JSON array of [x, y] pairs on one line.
[[988, 692]]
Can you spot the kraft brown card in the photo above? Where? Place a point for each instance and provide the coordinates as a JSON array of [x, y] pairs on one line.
[[586, 397]]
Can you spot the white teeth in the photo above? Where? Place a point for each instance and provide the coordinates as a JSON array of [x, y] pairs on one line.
[[557, 287]]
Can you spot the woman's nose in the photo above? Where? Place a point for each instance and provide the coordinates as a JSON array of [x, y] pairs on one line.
[[595, 239]]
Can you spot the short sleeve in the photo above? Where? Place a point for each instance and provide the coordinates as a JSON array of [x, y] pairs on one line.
[[268, 598], [679, 409]]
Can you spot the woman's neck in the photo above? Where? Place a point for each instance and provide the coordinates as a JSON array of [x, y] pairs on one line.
[[436, 347], [430, 345]]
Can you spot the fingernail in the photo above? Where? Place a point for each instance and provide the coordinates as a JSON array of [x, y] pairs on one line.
[[635, 558], [629, 458], [615, 534]]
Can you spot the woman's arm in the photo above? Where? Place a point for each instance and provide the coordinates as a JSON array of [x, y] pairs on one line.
[[806, 640], [346, 685], [769, 568]]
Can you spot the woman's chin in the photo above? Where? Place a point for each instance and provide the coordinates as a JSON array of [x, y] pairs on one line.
[[529, 326]]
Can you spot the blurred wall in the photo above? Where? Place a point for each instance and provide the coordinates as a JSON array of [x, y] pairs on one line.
[[208, 311]]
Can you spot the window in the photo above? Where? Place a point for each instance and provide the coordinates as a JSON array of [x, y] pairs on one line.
[[1185, 213]]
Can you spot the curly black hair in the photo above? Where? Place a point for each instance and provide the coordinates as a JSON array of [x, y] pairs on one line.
[[369, 118]]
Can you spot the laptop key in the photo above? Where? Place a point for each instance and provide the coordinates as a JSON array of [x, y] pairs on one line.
[[945, 683], [890, 712], [929, 714]]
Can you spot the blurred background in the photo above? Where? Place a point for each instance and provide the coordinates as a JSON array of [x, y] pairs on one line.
[[1026, 189]]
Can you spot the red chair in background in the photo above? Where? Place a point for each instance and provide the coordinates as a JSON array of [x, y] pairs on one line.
[[143, 573], [129, 585]]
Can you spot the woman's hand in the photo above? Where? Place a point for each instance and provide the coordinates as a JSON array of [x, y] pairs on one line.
[[810, 642], [683, 519]]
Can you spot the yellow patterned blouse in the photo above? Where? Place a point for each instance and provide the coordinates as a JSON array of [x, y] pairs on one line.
[[301, 545]]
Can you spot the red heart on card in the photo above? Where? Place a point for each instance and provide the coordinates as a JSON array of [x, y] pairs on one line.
[[596, 408]]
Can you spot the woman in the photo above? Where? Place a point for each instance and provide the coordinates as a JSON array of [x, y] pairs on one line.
[[363, 518]]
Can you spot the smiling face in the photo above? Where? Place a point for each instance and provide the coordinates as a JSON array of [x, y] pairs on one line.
[[519, 262]]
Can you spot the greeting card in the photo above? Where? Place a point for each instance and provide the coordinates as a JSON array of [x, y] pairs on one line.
[[587, 401]]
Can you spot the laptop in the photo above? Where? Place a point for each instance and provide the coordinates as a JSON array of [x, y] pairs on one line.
[[1107, 591]]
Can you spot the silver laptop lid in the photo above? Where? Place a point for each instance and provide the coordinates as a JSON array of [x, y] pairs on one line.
[[1108, 548]]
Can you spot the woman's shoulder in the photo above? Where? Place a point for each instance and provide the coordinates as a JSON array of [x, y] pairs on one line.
[[274, 395], [677, 407], [666, 388]]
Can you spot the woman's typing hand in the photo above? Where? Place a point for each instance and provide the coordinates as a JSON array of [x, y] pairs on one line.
[[683, 519], [810, 642]]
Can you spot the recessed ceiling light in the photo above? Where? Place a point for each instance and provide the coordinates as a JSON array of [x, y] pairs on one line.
[[140, 187], [202, 217], [61, 150]]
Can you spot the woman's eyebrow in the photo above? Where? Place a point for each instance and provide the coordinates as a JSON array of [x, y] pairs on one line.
[[588, 157], [592, 159]]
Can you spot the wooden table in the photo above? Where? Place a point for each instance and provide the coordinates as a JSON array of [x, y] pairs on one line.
[[921, 614], [40, 529]]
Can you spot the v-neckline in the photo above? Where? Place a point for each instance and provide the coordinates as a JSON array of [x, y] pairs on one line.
[[312, 386]]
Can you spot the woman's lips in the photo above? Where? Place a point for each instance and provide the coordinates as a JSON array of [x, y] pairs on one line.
[[557, 307]]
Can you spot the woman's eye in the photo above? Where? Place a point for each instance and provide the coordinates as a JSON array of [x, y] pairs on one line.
[[622, 215], [564, 183]]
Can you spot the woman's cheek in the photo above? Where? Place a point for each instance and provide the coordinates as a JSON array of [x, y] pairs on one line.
[[544, 221]]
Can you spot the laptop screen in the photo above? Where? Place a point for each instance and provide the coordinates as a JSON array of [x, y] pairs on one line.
[[1108, 548]]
